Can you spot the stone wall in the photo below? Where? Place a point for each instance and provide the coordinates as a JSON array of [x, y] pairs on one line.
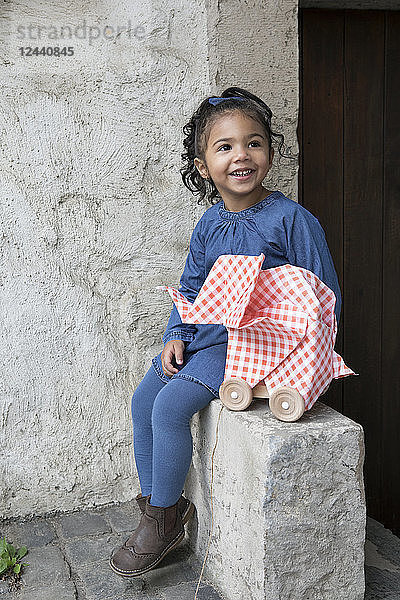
[[94, 215]]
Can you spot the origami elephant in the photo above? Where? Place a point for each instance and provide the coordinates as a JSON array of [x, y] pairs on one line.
[[281, 332]]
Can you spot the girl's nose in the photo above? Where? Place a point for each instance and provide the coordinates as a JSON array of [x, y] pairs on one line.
[[241, 152]]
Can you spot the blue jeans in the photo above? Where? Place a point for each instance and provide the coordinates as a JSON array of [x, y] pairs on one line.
[[162, 439]]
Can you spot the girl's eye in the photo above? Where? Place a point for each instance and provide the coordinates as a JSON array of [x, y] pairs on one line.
[[229, 146]]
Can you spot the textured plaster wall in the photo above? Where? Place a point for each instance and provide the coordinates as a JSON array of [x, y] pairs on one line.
[[94, 216], [254, 44]]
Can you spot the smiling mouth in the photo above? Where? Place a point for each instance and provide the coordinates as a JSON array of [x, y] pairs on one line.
[[242, 173]]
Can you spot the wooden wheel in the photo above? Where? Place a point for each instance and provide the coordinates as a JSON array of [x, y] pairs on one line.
[[286, 404], [235, 394]]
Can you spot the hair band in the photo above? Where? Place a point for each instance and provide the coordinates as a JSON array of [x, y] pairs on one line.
[[216, 100]]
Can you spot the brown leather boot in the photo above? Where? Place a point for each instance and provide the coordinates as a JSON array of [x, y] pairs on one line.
[[185, 506], [141, 500], [160, 530]]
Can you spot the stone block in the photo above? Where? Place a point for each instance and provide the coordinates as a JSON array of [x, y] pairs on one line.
[[81, 551], [82, 524], [123, 518], [99, 582], [387, 545], [64, 591], [31, 534], [44, 565], [289, 506], [4, 586], [172, 570], [382, 563], [184, 591]]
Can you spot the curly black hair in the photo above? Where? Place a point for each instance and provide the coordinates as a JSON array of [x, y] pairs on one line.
[[198, 129]]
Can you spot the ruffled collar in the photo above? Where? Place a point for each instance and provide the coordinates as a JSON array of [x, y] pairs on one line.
[[229, 215]]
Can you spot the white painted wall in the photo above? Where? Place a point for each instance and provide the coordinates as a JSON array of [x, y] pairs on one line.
[[94, 216], [254, 45]]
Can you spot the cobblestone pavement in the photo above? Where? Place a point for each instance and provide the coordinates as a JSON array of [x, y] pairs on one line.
[[68, 560], [382, 563]]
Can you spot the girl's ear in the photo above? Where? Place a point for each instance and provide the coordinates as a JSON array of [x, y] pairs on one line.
[[271, 155], [201, 167]]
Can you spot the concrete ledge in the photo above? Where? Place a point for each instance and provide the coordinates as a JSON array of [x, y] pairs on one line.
[[289, 504]]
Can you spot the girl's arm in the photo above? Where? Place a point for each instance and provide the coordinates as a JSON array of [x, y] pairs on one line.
[[307, 247], [192, 279]]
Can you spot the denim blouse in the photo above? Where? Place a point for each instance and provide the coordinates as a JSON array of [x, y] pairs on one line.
[[280, 228]]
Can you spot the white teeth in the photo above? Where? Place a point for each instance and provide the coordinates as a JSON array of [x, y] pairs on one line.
[[242, 172]]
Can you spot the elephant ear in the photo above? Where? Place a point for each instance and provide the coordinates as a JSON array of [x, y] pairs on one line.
[[209, 305], [225, 290], [340, 369]]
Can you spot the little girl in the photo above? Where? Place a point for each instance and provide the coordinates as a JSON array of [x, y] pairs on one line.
[[228, 154]]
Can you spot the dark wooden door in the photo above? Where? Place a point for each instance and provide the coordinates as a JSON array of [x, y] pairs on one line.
[[349, 136]]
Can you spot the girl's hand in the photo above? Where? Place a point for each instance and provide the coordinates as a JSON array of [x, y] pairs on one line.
[[171, 349]]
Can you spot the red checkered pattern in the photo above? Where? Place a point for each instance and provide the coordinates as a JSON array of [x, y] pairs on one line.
[[281, 323]]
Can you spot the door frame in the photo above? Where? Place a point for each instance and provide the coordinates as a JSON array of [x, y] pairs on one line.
[[351, 4]]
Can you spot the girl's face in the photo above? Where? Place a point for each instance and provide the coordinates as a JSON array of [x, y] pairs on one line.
[[237, 159]]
